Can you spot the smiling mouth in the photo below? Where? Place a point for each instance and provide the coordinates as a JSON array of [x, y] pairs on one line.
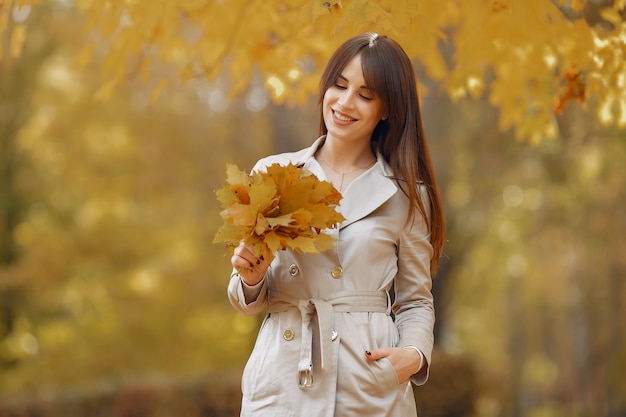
[[342, 117]]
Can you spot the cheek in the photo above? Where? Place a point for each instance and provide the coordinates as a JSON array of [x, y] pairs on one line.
[[375, 116], [326, 103], [327, 98], [380, 111]]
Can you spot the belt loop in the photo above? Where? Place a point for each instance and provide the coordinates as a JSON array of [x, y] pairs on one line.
[[388, 311]]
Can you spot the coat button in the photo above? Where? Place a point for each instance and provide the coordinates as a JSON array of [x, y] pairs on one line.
[[293, 270], [288, 334], [333, 336], [337, 272]]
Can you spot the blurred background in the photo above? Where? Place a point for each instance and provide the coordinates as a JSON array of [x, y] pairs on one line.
[[113, 296]]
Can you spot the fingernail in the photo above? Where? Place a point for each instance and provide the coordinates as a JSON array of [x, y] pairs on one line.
[[368, 353]]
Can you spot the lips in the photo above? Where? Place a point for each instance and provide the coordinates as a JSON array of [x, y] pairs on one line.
[[342, 117]]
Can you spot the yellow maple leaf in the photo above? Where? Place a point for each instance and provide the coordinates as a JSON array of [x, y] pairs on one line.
[[286, 207]]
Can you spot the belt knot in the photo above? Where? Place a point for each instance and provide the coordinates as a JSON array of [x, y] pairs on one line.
[[324, 308]]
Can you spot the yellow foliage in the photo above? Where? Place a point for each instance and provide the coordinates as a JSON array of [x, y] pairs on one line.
[[13, 31], [518, 53], [285, 207]]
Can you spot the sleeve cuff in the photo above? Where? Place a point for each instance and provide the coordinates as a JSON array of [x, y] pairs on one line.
[[421, 356], [251, 292]]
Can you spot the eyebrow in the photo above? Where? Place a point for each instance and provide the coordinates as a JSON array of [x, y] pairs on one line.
[[343, 77]]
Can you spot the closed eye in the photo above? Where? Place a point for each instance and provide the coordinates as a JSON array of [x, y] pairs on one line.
[[341, 86]]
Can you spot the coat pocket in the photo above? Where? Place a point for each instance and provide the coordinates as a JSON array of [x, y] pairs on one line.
[[271, 369], [360, 376], [257, 380], [384, 375]]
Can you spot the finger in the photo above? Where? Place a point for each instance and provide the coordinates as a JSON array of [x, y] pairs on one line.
[[245, 249], [239, 262], [376, 354], [246, 252], [243, 252]]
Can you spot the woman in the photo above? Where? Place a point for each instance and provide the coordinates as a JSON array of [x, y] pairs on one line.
[[348, 328]]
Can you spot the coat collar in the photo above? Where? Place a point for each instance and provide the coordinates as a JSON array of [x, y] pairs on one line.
[[365, 194]]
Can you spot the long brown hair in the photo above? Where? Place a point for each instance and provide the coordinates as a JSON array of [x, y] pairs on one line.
[[389, 73]]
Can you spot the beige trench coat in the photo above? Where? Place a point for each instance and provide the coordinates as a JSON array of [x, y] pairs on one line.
[[326, 310]]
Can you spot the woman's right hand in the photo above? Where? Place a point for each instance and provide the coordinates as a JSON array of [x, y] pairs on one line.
[[250, 268]]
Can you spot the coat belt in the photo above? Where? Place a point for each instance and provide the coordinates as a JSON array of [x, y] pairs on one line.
[[352, 301]]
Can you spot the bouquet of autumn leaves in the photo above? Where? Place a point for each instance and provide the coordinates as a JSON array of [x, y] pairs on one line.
[[284, 207]]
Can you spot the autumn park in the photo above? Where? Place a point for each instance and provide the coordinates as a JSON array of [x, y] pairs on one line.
[[118, 119]]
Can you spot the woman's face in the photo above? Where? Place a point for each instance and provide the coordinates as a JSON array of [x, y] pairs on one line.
[[351, 110]]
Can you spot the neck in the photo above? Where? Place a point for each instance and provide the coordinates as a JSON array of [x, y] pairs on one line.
[[344, 162], [345, 158]]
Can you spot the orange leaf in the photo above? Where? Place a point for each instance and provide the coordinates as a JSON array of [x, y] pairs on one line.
[[284, 208]]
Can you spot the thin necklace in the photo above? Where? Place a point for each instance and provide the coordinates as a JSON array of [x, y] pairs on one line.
[[343, 174]]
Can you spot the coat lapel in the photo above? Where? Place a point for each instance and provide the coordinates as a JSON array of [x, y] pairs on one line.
[[366, 193]]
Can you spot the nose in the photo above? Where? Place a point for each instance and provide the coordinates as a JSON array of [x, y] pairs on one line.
[[346, 99]]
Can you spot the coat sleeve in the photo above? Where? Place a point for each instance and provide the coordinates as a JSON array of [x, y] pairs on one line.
[[252, 300], [413, 305], [246, 299]]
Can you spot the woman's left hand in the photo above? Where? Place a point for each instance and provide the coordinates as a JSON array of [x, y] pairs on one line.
[[405, 361]]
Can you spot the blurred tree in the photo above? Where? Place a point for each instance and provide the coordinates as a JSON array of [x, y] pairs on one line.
[[531, 57], [536, 283], [111, 207], [116, 274], [18, 71]]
